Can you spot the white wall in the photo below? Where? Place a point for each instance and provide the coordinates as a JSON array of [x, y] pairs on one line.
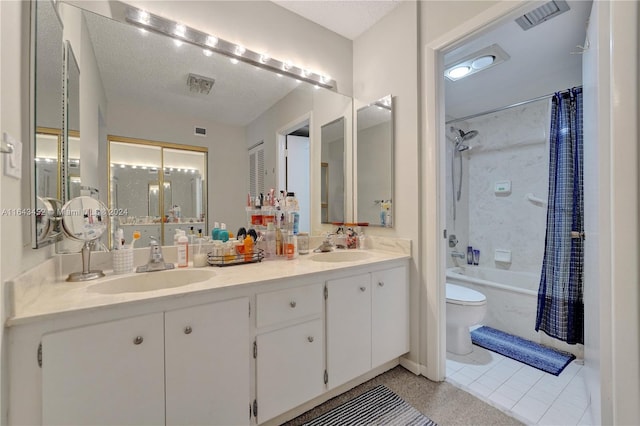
[[511, 145], [385, 61]]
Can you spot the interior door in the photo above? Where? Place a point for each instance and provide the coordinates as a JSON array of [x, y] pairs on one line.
[[298, 176]]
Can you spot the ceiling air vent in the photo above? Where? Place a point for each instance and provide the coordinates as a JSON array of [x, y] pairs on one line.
[[543, 13], [200, 84], [200, 131]]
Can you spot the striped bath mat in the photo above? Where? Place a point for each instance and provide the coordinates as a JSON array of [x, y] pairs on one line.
[[378, 406], [534, 354]]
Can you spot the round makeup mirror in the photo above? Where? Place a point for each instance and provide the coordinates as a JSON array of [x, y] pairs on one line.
[[84, 219], [47, 216]]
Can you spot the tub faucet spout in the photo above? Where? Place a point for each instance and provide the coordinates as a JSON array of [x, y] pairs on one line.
[[458, 254]]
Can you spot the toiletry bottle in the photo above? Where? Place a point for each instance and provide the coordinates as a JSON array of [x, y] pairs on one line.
[[183, 250], [248, 248], [290, 246], [279, 243], [469, 255], [192, 235], [215, 231], [223, 235], [476, 257], [270, 239]]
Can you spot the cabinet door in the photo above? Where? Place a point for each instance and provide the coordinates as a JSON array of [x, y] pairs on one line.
[[348, 328], [207, 364], [107, 374], [290, 368], [390, 319]]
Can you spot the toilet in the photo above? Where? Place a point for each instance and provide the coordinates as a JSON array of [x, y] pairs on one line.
[[465, 308]]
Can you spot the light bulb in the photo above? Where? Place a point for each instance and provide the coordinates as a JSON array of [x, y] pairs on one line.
[[212, 41], [286, 65], [459, 72], [264, 58], [240, 50], [144, 17]]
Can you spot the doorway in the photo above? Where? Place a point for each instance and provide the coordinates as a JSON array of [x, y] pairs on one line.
[[294, 166]]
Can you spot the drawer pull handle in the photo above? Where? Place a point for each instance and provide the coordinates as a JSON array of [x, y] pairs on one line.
[[138, 340], [381, 284], [188, 330], [310, 339], [292, 303], [363, 288]]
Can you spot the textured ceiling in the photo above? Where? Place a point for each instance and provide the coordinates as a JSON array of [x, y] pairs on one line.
[[542, 60], [149, 69], [347, 18]]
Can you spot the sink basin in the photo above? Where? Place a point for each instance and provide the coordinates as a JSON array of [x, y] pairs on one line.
[[340, 256], [150, 281]]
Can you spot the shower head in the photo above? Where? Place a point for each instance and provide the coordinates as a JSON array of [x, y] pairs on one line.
[[462, 147], [463, 136]]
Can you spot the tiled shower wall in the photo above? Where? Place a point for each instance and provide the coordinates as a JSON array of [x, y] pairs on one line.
[[512, 145]]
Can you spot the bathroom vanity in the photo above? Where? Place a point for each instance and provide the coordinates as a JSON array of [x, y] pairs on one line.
[[251, 344]]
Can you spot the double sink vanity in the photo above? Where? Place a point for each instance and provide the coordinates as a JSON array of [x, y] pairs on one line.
[[251, 344]]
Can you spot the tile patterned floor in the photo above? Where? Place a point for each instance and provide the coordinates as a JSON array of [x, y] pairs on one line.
[[528, 394]]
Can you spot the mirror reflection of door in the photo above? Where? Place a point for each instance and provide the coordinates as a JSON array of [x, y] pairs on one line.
[[298, 176]]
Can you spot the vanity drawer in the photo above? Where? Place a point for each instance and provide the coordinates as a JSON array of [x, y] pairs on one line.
[[286, 305]]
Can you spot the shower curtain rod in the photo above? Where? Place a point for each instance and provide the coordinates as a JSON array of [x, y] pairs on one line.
[[539, 98]]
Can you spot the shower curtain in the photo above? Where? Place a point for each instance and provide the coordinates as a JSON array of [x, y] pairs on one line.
[[560, 311]]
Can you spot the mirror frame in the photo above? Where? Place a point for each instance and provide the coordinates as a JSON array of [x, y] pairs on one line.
[[54, 234]]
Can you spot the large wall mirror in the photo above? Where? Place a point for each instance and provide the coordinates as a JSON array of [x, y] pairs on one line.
[[47, 66], [332, 185], [149, 86], [374, 163]]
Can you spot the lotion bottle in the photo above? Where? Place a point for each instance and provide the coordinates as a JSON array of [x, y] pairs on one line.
[[183, 250], [215, 231], [223, 235]]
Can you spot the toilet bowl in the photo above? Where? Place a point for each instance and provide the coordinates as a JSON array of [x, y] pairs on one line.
[[465, 307]]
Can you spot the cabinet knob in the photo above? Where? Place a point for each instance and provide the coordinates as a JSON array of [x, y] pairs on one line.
[[381, 284], [188, 330], [138, 340], [292, 303], [363, 288], [310, 339]]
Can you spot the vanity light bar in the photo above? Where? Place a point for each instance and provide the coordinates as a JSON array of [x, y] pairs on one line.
[[158, 24]]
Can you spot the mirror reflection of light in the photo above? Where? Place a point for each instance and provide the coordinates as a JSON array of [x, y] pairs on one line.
[[144, 17], [178, 43], [207, 52], [233, 61], [143, 31], [180, 30], [122, 166]]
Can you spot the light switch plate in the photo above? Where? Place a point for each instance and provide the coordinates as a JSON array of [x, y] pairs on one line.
[[13, 160]]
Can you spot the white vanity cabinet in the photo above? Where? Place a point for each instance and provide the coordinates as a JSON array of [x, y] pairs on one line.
[[186, 366], [367, 322], [389, 315], [348, 328], [110, 373], [289, 349], [207, 364]]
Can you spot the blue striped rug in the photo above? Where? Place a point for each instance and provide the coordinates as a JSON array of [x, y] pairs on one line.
[[378, 406], [534, 354]]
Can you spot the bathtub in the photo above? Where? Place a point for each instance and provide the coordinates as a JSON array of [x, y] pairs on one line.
[[512, 301]]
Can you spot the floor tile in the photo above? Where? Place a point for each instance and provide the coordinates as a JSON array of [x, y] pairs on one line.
[[480, 389], [530, 408], [557, 416]]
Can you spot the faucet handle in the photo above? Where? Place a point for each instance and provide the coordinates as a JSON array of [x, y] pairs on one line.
[[153, 241]]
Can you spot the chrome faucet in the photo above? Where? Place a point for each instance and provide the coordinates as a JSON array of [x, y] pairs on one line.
[[327, 244], [156, 260], [458, 254]]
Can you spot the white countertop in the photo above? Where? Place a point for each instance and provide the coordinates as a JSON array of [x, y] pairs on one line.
[[39, 294]]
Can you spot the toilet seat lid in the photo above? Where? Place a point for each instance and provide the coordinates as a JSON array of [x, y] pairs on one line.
[[464, 296]]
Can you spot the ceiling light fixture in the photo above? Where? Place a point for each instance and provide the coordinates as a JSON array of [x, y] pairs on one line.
[[183, 33], [475, 62]]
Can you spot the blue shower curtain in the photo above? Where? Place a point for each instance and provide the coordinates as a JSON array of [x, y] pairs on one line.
[[560, 307]]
